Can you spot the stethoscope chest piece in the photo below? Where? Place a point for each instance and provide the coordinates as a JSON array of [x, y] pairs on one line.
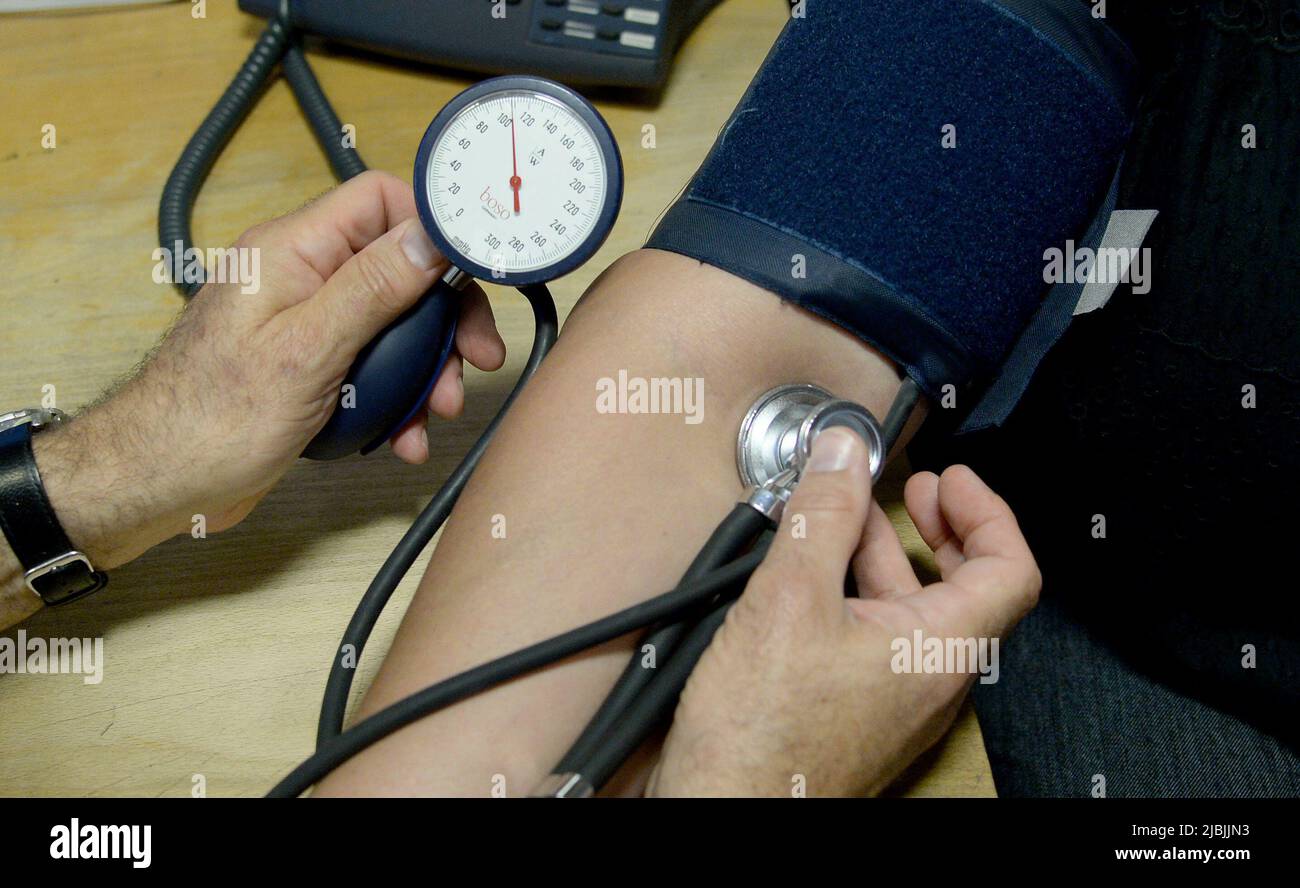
[[777, 432]]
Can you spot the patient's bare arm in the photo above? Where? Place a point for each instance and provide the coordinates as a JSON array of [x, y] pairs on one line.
[[599, 510]]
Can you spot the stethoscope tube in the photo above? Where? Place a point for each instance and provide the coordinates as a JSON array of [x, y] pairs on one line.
[[588, 769], [361, 736], [655, 704], [729, 540]]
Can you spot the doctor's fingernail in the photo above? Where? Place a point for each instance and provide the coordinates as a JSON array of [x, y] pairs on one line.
[[417, 246], [832, 451]]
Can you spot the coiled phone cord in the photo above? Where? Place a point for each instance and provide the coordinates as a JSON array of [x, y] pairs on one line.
[[276, 44], [343, 158]]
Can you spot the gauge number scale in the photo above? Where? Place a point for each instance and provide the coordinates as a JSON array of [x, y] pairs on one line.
[[517, 181]]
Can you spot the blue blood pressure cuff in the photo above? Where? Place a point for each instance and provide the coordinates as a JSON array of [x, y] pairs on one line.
[[901, 169]]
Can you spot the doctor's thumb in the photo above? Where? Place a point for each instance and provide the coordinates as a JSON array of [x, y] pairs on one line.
[[821, 528]]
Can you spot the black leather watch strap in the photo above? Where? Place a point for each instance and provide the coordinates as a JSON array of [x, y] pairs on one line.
[[55, 569]]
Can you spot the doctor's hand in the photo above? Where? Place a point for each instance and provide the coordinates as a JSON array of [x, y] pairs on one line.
[[243, 381], [797, 692]]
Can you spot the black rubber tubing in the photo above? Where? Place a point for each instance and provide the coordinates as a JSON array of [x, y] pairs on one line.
[[654, 705], [339, 749], [337, 686], [731, 537]]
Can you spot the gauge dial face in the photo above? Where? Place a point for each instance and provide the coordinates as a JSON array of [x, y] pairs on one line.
[[517, 182]]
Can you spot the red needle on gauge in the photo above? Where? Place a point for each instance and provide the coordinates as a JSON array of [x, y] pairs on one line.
[[515, 181]]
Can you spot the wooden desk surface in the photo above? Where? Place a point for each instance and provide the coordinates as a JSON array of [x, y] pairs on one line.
[[216, 654]]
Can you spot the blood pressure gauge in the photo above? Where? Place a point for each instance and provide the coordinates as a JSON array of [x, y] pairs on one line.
[[518, 181]]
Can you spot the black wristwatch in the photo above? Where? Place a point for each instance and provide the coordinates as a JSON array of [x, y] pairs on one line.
[[52, 566]]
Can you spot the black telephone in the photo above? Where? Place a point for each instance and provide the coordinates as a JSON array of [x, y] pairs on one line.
[[582, 42]]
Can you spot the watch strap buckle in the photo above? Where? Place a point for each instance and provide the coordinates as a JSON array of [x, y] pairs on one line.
[[57, 581]]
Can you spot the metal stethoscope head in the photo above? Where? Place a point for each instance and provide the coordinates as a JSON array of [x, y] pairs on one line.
[[777, 435]]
